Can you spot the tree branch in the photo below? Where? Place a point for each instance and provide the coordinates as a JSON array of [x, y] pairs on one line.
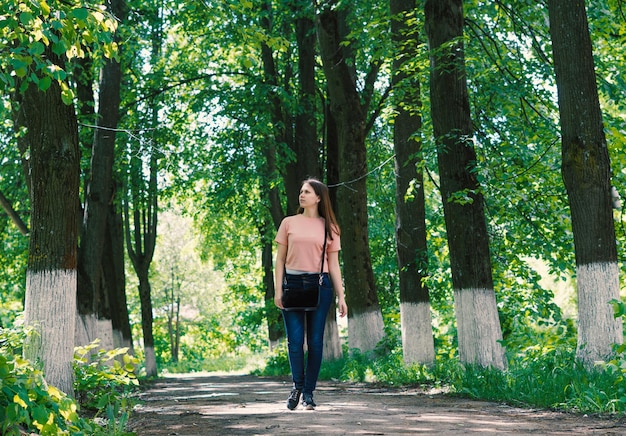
[[8, 208]]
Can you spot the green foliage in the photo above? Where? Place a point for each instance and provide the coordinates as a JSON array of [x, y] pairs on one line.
[[225, 363], [277, 363], [27, 401], [13, 244], [104, 378], [554, 379], [30, 31], [544, 373]]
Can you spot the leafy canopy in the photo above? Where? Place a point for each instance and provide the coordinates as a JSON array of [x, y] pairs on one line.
[[31, 31]]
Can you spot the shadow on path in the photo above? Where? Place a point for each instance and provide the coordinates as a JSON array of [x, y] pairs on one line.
[[189, 405]]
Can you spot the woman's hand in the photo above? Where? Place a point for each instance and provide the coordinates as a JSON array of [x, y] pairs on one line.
[[278, 298], [342, 307]]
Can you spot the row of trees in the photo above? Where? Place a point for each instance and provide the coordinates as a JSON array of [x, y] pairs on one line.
[[232, 104]]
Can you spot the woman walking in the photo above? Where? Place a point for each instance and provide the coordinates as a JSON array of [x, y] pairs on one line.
[[302, 239]]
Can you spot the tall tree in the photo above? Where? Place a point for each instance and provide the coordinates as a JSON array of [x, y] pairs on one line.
[[45, 118], [478, 324], [349, 110], [586, 171], [141, 192], [141, 233], [93, 293], [50, 304], [305, 145], [417, 335], [115, 275], [281, 137]]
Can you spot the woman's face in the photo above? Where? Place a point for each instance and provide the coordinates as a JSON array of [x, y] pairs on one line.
[[308, 197]]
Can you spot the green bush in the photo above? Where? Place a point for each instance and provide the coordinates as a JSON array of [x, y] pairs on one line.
[[105, 381], [103, 385], [27, 402], [225, 363], [277, 364]]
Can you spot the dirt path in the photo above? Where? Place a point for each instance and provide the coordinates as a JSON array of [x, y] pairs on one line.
[[249, 405]]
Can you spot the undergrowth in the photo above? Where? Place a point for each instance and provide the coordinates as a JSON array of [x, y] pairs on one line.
[[543, 373], [29, 405]]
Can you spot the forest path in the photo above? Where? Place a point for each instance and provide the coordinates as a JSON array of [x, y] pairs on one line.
[[195, 405]]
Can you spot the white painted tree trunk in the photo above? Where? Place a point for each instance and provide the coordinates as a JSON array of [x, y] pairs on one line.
[[150, 362], [88, 328], [365, 330], [478, 328], [598, 329], [120, 342], [332, 344], [417, 333], [50, 308]]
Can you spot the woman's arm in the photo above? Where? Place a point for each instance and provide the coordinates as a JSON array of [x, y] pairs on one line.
[[335, 276], [279, 270]]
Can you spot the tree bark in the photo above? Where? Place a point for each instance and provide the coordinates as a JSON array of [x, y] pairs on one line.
[[417, 334], [50, 303], [115, 278], [332, 342], [140, 244], [276, 329], [586, 171], [365, 324], [478, 325], [140, 253], [268, 176], [308, 149], [93, 297]]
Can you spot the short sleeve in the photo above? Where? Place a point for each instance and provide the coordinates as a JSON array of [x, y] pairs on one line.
[[282, 234]]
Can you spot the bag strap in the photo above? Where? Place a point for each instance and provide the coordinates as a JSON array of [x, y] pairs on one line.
[[323, 256]]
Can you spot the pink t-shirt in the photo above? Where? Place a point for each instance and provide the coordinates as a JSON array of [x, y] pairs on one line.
[[304, 238]]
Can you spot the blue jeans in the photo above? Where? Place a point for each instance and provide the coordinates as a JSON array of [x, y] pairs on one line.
[[306, 380]]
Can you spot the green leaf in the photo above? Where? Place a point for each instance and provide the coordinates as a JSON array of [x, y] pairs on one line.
[[59, 48], [67, 95], [37, 48], [45, 8], [26, 18], [40, 414], [80, 13]]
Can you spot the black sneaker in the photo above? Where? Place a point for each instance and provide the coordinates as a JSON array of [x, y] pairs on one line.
[[307, 402], [294, 399]]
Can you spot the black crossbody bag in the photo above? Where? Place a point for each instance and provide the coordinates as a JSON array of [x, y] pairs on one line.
[[302, 291]]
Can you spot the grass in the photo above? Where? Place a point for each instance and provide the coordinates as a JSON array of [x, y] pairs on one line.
[[548, 378]]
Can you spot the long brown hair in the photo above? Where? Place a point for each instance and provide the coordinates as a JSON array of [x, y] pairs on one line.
[[324, 207]]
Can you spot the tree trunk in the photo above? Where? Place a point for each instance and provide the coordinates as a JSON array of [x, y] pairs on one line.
[[173, 317], [306, 142], [332, 342], [115, 278], [586, 172], [50, 303], [145, 296], [140, 244], [478, 324], [275, 326], [93, 302], [365, 323], [417, 333]]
